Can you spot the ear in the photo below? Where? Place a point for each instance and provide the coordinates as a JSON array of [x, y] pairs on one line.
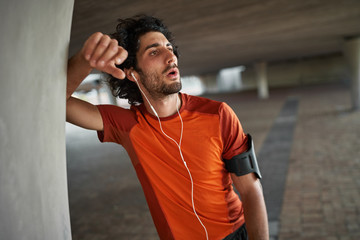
[[129, 75]]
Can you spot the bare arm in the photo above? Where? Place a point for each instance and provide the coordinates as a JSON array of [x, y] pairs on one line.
[[99, 52], [252, 197]]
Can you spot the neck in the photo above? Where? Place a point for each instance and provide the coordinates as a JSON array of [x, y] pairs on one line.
[[165, 106]]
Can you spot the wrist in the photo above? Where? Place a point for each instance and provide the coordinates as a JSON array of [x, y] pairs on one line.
[[78, 69], [79, 61]]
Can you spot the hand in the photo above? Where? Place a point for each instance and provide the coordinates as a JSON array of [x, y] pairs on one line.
[[102, 53]]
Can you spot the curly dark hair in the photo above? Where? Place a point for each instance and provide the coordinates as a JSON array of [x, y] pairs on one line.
[[128, 32]]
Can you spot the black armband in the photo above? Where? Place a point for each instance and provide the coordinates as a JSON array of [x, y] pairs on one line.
[[245, 162]]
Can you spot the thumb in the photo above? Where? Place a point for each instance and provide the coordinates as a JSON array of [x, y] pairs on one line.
[[115, 72]]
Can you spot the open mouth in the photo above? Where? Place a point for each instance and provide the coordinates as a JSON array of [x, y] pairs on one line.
[[172, 72]]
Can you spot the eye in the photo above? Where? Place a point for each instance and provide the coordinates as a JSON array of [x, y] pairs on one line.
[[153, 53]]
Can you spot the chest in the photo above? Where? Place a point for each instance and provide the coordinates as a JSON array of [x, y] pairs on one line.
[[196, 140]]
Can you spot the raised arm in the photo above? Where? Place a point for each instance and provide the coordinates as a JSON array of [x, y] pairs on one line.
[[102, 53]]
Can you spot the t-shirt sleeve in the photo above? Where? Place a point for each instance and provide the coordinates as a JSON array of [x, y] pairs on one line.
[[233, 136], [117, 123]]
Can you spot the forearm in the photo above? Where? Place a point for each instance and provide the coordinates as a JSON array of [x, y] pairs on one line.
[[101, 53], [78, 69], [255, 214], [251, 193]]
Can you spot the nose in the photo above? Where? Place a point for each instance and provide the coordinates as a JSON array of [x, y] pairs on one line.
[[170, 57]]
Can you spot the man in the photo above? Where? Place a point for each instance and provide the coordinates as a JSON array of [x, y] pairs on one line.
[[178, 144]]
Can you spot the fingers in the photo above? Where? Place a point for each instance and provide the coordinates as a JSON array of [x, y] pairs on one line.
[[90, 45], [121, 55], [103, 53], [102, 48], [115, 72], [109, 54]]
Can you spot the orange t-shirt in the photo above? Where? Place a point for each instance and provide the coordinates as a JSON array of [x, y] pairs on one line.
[[211, 133]]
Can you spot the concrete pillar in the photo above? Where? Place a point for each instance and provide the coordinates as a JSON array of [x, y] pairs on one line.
[[261, 79], [229, 79], [33, 185], [352, 53]]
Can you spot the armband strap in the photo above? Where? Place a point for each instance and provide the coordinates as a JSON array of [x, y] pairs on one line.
[[245, 162]]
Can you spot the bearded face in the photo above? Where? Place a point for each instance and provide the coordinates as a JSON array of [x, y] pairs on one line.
[[156, 84], [157, 65]]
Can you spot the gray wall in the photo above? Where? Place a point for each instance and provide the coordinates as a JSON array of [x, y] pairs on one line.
[[33, 186]]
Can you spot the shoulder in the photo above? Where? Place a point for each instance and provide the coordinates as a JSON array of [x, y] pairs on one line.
[[113, 109], [113, 113], [202, 104], [206, 105]]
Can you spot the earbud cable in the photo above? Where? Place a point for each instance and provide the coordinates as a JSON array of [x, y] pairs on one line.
[[181, 155]]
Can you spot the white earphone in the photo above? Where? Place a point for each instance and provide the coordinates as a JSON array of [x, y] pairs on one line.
[[152, 108], [178, 144]]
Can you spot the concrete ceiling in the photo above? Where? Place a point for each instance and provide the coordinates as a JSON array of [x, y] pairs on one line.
[[213, 34]]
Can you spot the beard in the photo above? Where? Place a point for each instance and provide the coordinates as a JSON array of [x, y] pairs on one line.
[[156, 86]]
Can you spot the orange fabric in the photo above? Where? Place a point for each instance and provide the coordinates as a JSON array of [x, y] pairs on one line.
[[211, 133]]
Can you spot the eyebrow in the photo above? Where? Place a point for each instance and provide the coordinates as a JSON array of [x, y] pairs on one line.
[[156, 45]]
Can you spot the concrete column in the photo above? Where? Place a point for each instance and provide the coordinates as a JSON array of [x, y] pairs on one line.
[[261, 79], [352, 53], [33, 185]]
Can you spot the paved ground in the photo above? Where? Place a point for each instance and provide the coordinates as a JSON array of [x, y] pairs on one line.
[[319, 178], [322, 197]]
